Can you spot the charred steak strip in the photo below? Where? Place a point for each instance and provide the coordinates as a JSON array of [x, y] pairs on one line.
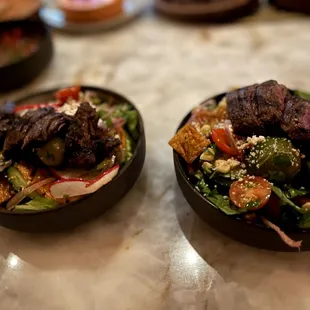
[[243, 112], [6, 121], [266, 108], [270, 100], [296, 119], [86, 143], [35, 127], [46, 123]]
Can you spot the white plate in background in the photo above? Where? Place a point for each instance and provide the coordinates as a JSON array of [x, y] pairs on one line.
[[56, 19]]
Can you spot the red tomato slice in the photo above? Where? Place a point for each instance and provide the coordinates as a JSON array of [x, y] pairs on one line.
[[251, 192], [71, 92], [222, 141]]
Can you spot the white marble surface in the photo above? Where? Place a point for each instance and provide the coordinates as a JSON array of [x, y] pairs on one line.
[[151, 251]]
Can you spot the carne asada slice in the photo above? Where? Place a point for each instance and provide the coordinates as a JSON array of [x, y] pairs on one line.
[[243, 112], [296, 118], [270, 99], [257, 109], [6, 121], [33, 129], [86, 143]]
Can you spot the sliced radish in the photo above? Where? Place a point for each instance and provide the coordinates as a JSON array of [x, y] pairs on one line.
[[69, 174], [73, 187]]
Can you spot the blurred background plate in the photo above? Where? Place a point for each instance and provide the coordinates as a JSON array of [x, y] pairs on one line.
[[211, 11], [55, 18], [18, 9]]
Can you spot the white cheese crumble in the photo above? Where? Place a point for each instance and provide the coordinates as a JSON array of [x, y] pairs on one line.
[[251, 141]]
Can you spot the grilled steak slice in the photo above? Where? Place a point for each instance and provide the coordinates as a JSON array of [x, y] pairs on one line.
[[6, 121], [258, 108], [45, 123], [33, 129], [270, 99], [243, 112], [86, 144], [296, 118]]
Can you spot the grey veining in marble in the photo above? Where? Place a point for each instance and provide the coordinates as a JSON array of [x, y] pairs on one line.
[[151, 251]]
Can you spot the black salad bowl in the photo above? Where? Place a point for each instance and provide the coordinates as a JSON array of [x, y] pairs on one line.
[[221, 11], [78, 212], [300, 6], [234, 227], [18, 74]]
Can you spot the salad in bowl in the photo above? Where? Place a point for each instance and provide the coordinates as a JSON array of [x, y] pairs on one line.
[[58, 147], [247, 154]]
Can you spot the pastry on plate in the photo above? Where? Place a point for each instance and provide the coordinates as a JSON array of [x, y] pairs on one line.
[[18, 9], [90, 10]]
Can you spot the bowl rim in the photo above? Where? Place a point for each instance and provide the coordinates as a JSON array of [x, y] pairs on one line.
[[121, 171], [178, 158], [46, 35]]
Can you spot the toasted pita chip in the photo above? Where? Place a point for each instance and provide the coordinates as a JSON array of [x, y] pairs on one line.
[[189, 143]]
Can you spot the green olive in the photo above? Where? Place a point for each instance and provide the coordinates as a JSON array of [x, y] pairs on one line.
[[275, 159], [52, 153]]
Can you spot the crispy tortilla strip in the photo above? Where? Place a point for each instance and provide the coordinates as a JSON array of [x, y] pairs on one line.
[[189, 143], [6, 190], [40, 175], [26, 170]]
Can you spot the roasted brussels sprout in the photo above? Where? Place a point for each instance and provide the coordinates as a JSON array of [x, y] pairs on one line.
[[275, 159], [52, 153]]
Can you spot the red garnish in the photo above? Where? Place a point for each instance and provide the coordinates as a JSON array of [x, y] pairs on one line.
[[71, 92], [222, 141], [251, 192]]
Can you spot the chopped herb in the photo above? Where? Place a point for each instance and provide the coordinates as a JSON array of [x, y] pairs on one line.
[[253, 204], [109, 122], [285, 200], [293, 192], [305, 220], [302, 94], [220, 201]]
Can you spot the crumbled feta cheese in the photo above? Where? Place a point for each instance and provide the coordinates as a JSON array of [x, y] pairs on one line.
[[254, 139], [251, 141], [71, 107], [100, 123]]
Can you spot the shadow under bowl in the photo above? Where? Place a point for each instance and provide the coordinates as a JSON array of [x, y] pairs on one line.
[[75, 213], [235, 228], [17, 74]]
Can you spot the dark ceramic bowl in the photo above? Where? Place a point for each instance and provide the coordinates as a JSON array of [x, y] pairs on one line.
[[235, 228], [91, 206], [20, 73], [301, 6], [220, 11]]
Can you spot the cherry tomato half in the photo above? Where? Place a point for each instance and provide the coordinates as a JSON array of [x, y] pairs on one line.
[[251, 192], [222, 141], [71, 92]]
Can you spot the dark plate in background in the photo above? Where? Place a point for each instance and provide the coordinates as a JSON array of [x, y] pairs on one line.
[[20, 73], [91, 206], [235, 228], [219, 11], [301, 6]]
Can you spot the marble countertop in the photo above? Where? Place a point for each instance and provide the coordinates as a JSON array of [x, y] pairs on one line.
[[151, 251]]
